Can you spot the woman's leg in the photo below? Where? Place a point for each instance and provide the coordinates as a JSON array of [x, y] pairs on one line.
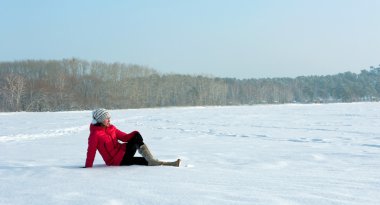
[[132, 146], [145, 152], [136, 143]]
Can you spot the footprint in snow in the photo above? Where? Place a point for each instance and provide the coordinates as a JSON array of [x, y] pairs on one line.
[[276, 165], [318, 157]]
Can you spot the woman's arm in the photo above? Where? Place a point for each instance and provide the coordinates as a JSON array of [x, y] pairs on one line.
[[91, 150], [124, 136]]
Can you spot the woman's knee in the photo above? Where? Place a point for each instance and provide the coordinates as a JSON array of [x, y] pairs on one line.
[[138, 138]]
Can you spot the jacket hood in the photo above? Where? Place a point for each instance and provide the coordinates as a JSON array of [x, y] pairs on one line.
[[94, 128]]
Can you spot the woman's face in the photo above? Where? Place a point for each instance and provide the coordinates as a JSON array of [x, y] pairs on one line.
[[107, 122]]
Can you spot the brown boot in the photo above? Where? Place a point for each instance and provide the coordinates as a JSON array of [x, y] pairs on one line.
[[174, 164], [145, 152]]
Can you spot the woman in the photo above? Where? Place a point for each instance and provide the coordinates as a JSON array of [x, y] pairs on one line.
[[105, 137]]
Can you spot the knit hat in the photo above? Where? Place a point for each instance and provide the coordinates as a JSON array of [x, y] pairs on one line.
[[99, 115]]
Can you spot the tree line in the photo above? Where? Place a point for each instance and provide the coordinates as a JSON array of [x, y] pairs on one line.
[[75, 84]]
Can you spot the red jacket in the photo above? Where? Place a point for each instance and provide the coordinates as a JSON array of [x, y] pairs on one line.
[[105, 140]]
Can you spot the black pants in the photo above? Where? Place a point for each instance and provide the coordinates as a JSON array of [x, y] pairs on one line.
[[132, 147]]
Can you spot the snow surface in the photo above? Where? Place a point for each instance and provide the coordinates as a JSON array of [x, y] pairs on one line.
[[265, 154]]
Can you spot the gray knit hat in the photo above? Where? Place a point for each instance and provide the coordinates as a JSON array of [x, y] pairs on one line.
[[99, 115]]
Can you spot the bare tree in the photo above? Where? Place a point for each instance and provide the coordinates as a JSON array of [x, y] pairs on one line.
[[13, 90]]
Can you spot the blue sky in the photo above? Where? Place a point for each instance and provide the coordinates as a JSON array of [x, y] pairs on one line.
[[242, 39]]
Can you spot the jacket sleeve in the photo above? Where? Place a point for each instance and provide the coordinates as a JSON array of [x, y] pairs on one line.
[[91, 150], [124, 136]]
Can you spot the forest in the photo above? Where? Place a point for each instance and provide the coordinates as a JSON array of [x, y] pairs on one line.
[[75, 84]]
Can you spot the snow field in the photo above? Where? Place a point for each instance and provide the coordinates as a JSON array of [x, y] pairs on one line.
[[265, 154]]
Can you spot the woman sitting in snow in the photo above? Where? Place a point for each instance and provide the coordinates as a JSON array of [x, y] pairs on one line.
[[104, 138]]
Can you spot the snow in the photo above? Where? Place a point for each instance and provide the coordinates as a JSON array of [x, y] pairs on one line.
[[263, 154]]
